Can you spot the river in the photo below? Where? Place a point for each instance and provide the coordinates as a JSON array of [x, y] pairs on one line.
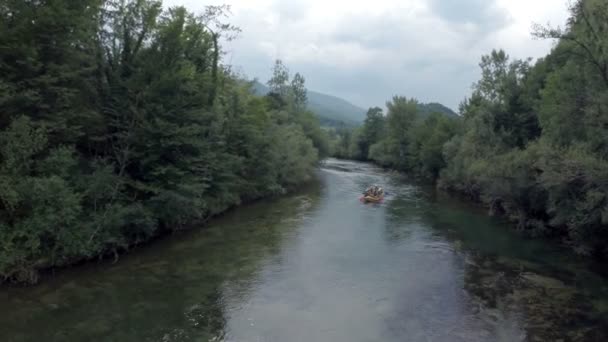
[[319, 265]]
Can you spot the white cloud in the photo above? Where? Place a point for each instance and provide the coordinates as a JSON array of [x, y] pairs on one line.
[[368, 51]]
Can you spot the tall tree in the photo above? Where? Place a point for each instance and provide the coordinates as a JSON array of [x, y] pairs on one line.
[[373, 129], [279, 82], [298, 89], [213, 20]]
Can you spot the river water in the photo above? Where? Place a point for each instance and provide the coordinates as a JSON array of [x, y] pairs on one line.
[[321, 266]]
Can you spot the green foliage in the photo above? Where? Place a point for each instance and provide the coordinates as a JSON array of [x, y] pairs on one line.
[[279, 82], [575, 181], [290, 98], [39, 201], [428, 140], [345, 143], [373, 130], [300, 98], [404, 139], [426, 109], [118, 122]]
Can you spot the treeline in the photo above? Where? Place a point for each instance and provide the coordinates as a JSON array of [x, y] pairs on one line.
[[119, 122], [403, 139], [531, 142]]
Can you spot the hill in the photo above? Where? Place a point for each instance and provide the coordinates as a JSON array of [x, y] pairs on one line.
[[425, 109], [331, 110], [334, 111]]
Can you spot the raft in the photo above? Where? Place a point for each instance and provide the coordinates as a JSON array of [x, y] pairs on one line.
[[372, 199]]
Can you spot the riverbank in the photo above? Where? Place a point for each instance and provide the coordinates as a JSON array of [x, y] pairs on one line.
[[47, 272]]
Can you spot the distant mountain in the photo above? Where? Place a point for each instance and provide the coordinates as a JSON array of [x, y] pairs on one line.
[[331, 110], [334, 111], [425, 109], [335, 108]]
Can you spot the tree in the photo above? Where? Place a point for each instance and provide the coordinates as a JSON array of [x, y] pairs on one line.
[[46, 65], [584, 34], [373, 130], [577, 92], [298, 89], [428, 140], [402, 114], [279, 82], [212, 20]]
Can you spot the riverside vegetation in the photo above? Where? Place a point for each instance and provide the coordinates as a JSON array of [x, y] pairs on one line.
[[118, 122], [531, 142]]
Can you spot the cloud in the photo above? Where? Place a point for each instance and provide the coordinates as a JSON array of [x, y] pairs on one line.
[[487, 15], [368, 51], [293, 10]]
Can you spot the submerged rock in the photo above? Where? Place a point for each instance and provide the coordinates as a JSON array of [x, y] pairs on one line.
[[543, 281], [545, 304]]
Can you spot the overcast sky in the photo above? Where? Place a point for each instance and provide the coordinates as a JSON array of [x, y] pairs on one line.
[[368, 51]]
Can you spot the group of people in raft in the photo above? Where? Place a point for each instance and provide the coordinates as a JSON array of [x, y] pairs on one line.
[[375, 191]]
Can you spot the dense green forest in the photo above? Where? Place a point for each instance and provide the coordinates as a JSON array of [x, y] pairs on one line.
[[118, 121], [531, 142]]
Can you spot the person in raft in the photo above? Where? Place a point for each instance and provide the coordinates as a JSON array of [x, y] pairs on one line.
[[374, 190]]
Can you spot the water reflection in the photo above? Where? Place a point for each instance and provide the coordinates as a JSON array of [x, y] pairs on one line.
[[523, 289]]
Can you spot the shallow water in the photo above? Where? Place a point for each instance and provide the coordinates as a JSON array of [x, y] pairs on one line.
[[321, 266]]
